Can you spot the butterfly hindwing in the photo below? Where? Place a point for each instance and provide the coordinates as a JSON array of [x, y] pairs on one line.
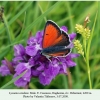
[[56, 51], [61, 53]]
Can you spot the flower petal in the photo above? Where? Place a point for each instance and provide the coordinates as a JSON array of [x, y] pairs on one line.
[[63, 68], [72, 36], [73, 55], [32, 41], [19, 50], [45, 78], [64, 28], [21, 67], [4, 71], [20, 82], [35, 72], [70, 63], [31, 50]]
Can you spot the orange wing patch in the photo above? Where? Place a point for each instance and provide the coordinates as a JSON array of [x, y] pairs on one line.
[[51, 33]]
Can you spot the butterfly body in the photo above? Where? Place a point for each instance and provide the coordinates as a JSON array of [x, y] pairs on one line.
[[55, 41]]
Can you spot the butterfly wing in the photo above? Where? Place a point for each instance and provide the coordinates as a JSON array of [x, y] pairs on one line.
[[51, 33], [55, 41], [56, 51], [61, 53], [63, 40]]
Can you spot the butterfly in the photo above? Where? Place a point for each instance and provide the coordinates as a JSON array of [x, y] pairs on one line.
[[55, 41]]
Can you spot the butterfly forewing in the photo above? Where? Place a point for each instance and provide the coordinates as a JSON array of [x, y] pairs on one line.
[[51, 33]]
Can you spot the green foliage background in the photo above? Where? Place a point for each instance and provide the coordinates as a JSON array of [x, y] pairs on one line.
[[25, 17]]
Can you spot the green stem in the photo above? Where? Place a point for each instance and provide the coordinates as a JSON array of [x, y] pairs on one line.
[[87, 52], [65, 82], [88, 71], [84, 43], [32, 86]]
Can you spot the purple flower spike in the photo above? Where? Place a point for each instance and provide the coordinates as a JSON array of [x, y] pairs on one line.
[[30, 59]]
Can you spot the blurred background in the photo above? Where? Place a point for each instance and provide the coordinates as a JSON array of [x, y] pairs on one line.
[[25, 17]]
